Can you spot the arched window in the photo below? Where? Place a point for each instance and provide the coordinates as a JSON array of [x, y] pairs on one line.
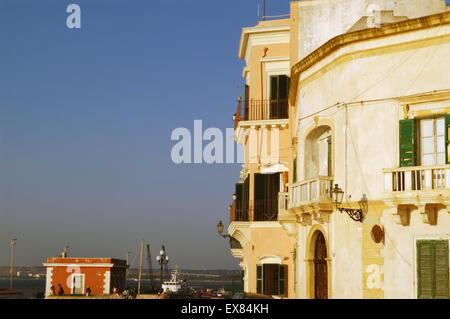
[[318, 153]]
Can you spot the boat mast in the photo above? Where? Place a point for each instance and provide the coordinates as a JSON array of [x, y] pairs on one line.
[[140, 267], [11, 270]]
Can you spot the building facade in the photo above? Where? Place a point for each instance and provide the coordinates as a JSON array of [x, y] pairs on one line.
[[76, 275], [368, 115], [262, 128]]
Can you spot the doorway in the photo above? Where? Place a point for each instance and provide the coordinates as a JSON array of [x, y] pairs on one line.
[[320, 267]]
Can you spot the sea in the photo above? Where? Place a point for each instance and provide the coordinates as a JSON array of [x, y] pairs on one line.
[[34, 288]]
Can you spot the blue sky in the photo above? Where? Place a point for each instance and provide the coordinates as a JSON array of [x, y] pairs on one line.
[[85, 123]]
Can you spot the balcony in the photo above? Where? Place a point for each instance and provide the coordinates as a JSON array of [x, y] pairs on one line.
[[311, 197], [262, 210], [311, 191], [283, 202], [414, 179], [425, 189], [239, 211], [261, 110], [265, 210]]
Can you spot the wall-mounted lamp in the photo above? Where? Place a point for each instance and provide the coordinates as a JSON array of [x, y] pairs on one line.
[[337, 195], [220, 228]]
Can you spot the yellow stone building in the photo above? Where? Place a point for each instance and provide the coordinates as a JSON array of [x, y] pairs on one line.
[[345, 190]]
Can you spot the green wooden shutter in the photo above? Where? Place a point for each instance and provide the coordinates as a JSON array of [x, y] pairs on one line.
[[433, 269], [407, 143], [441, 269], [294, 176], [425, 271], [447, 137], [282, 288], [259, 279]]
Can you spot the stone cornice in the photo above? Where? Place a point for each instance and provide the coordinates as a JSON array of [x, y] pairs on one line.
[[358, 36]]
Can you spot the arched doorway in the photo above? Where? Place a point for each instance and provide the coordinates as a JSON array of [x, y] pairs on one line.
[[320, 267]]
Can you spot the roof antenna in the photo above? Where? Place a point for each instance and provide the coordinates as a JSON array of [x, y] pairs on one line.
[[263, 15]]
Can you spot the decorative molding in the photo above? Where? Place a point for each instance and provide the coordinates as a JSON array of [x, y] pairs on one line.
[[98, 265], [305, 219], [271, 259], [237, 253], [107, 283], [48, 281], [321, 216], [262, 35], [240, 231]]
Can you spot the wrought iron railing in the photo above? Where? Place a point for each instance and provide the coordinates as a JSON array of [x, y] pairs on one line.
[[261, 210], [239, 211], [265, 210], [257, 110]]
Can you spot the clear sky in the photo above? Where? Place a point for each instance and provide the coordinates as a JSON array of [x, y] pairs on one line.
[[85, 123]]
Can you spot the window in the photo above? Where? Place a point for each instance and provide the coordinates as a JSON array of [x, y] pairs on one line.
[[325, 154], [242, 201], [259, 279], [318, 153], [425, 141], [279, 93], [432, 269], [279, 87], [265, 206], [271, 279], [432, 141]]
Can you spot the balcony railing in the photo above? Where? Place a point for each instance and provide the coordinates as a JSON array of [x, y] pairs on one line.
[[265, 210], [238, 115], [239, 211], [257, 110], [313, 190], [261, 209], [283, 201], [420, 178]]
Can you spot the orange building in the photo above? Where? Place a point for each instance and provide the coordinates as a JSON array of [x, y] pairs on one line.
[[76, 276]]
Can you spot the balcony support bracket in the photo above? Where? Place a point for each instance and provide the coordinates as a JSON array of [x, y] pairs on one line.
[[305, 219], [321, 217]]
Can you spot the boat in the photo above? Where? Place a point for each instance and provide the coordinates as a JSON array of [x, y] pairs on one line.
[[176, 287]]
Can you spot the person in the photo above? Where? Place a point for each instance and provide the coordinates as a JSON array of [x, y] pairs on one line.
[[52, 291], [88, 291], [60, 290]]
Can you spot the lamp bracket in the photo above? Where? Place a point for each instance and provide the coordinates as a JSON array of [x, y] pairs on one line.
[[355, 214]]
